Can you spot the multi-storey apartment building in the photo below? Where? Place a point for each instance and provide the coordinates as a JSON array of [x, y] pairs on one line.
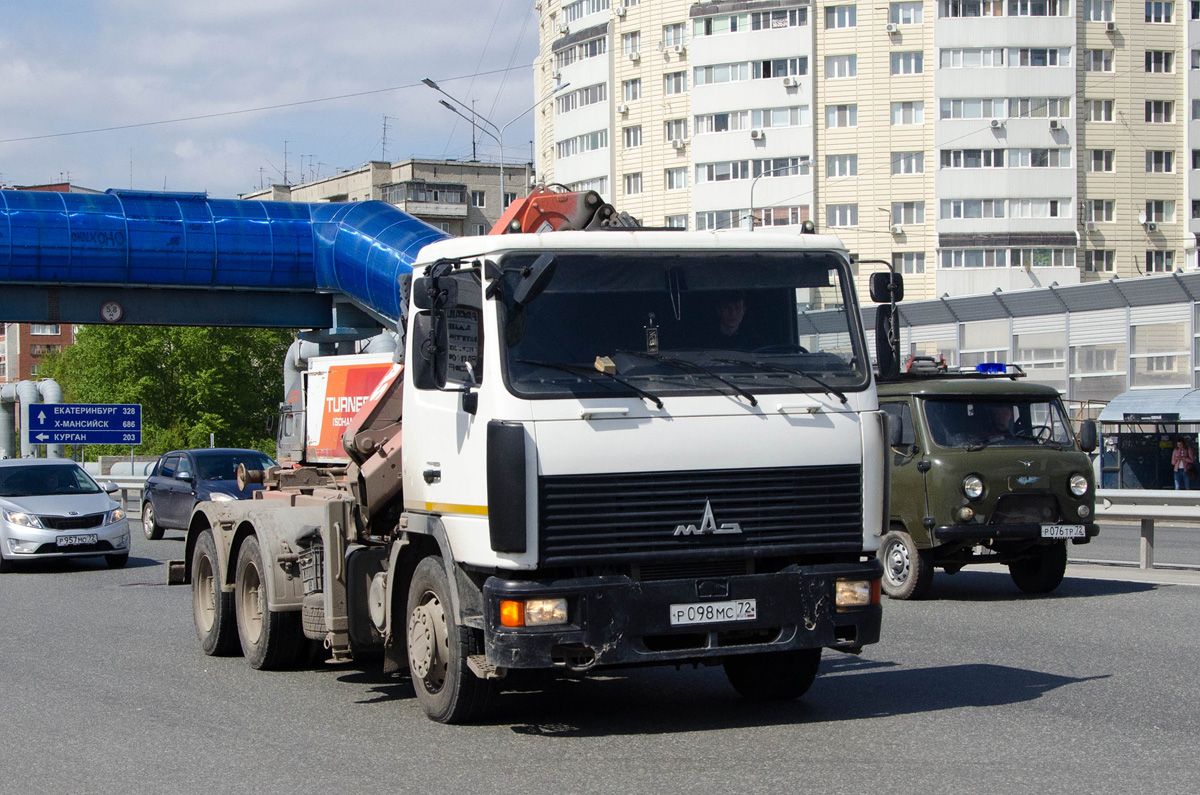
[[975, 144]]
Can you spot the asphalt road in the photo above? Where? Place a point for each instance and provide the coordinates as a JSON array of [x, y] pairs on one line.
[[1094, 689]]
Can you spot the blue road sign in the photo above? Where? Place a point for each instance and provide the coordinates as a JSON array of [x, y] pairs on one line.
[[85, 423]]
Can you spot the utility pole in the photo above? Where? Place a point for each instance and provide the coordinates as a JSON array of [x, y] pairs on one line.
[[285, 163], [473, 156], [386, 118]]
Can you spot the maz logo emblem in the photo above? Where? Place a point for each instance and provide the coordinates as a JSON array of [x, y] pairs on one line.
[[708, 525]]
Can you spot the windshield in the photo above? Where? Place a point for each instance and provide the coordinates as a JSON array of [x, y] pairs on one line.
[[36, 481], [1015, 422], [223, 466], [684, 323]]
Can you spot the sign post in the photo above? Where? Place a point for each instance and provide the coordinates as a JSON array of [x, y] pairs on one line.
[[85, 423]]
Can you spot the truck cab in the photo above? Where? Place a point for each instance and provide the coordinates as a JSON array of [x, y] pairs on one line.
[[986, 468]]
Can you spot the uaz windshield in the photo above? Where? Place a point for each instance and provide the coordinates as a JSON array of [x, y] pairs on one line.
[[975, 424], [688, 323]]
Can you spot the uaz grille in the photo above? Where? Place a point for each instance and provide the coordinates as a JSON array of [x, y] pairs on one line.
[[72, 522], [648, 516], [1025, 509]]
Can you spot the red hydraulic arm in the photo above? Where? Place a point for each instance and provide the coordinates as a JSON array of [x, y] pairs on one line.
[[545, 210]]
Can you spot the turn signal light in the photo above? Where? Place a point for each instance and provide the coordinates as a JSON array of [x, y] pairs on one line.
[[533, 612], [512, 614]]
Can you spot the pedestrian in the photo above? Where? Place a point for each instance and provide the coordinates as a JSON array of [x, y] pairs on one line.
[[1182, 460]]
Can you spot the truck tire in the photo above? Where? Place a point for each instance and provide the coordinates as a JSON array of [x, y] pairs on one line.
[[438, 649], [1043, 573], [212, 609], [270, 639], [776, 676], [116, 561], [151, 528], [907, 571]]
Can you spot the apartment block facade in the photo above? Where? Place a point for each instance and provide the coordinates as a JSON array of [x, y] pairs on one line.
[[975, 144]]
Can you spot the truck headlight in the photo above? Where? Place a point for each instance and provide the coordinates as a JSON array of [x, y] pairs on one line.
[[533, 612], [22, 519], [1079, 485], [973, 487], [856, 593]]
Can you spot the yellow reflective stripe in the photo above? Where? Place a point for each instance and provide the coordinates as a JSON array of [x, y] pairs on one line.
[[445, 507]]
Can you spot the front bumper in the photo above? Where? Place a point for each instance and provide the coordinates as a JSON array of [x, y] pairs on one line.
[[982, 533], [36, 543], [615, 620]]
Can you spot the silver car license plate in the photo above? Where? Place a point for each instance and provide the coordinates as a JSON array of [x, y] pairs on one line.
[[1063, 531], [76, 541], [714, 612]]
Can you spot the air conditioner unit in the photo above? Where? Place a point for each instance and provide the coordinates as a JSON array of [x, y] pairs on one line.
[[557, 76], [622, 108], [757, 135], [892, 27], [565, 30], [1110, 27], [635, 55], [680, 49], [996, 124], [1151, 227], [897, 229], [791, 82], [1055, 124], [1091, 226], [677, 143], [619, 11]]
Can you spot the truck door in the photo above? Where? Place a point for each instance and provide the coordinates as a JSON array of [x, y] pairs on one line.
[[445, 447]]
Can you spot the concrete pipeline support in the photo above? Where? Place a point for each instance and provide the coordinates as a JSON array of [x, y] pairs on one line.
[[25, 394]]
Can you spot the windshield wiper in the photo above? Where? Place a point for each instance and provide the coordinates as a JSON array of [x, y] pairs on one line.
[[692, 367], [591, 373], [778, 368]]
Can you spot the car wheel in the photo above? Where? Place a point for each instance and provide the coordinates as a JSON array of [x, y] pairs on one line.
[[150, 526], [270, 639], [907, 571], [438, 649], [776, 676], [212, 609], [1043, 572], [116, 561]]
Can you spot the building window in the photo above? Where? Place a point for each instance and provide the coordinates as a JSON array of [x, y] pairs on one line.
[[1159, 12], [775, 20], [974, 108], [972, 158], [581, 98], [509, 198], [42, 350], [45, 329], [1159, 60], [631, 42], [588, 142], [1160, 261], [676, 129], [907, 63], [632, 89], [723, 171], [1195, 209], [1039, 158], [478, 229], [1039, 8], [974, 258], [970, 59], [582, 8], [1196, 158], [779, 67], [841, 165], [908, 162], [1160, 111], [1097, 60], [841, 116], [478, 199], [838, 215], [908, 113], [675, 178], [1039, 208], [674, 34], [1099, 261], [675, 83], [721, 73], [841, 16], [1159, 161], [841, 66], [904, 213], [1040, 108], [1160, 211], [633, 137], [1100, 159], [906, 13], [972, 208], [720, 219], [1037, 56], [1098, 210], [909, 262], [1041, 258], [633, 184], [1196, 57], [1099, 109], [675, 222], [598, 184], [1098, 10], [971, 8]]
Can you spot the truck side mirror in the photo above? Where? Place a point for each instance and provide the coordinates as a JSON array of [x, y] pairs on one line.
[[1087, 436], [431, 344], [434, 292], [534, 279], [887, 287]]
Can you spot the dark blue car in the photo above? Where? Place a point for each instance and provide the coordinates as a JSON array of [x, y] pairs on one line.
[[183, 478]]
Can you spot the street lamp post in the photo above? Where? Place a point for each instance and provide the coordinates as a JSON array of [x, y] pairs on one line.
[[754, 182], [498, 135]]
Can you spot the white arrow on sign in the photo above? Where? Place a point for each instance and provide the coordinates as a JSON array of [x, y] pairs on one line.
[[41, 437], [42, 416]]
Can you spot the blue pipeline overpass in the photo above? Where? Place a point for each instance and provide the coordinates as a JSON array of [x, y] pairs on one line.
[[143, 258]]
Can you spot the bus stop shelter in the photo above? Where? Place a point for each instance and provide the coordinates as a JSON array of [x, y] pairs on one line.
[[1139, 429]]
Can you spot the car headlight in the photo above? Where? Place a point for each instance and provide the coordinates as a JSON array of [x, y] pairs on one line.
[[23, 519], [1079, 485], [973, 487], [220, 496], [115, 516]]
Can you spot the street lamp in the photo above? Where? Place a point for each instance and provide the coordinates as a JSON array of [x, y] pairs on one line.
[[498, 135], [755, 182]]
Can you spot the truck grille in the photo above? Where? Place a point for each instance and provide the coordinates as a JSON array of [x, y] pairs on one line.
[[635, 516]]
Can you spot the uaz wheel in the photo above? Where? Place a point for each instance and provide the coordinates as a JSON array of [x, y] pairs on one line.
[[907, 572], [1043, 572]]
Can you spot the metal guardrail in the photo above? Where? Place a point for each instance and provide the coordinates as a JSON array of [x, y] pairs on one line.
[[1147, 505], [128, 485]]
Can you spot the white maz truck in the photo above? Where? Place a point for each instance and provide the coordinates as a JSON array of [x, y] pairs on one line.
[[604, 448]]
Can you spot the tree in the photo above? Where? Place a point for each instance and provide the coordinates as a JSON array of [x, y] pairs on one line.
[[190, 382]]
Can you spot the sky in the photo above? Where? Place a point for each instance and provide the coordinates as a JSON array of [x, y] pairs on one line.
[[83, 65]]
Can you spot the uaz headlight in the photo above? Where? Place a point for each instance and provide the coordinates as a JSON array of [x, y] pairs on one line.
[[973, 487], [1079, 485]]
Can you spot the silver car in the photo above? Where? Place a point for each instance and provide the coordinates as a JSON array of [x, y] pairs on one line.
[[51, 508]]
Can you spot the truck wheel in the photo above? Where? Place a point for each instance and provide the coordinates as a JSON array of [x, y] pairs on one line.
[[270, 639], [907, 571], [212, 609], [152, 529], [116, 561], [438, 649], [776, 676], [1042, 573]]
